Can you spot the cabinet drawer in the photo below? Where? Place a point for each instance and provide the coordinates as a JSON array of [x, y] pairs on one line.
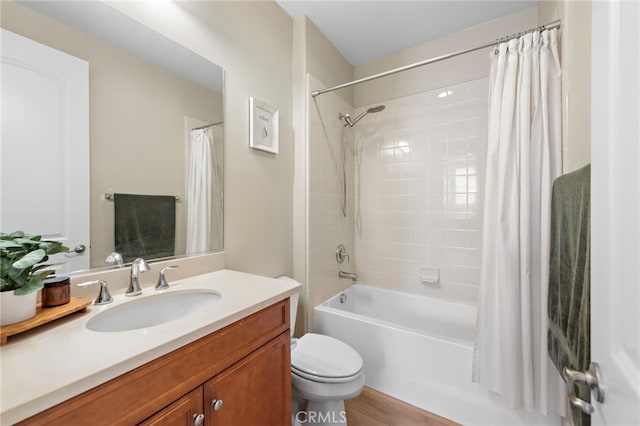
[[134, 396]]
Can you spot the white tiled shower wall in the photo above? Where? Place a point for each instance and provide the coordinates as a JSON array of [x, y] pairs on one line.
[[421, 180]]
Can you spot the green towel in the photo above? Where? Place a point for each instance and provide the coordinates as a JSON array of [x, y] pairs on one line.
[[145, 226], [569, 279]]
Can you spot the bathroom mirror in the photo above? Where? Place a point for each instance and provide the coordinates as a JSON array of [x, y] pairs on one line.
[[146, 95]]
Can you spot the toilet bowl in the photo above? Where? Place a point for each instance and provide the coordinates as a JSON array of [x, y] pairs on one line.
[[324, 372]]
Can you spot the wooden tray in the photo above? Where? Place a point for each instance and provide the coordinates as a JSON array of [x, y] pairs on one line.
[[44, 316]]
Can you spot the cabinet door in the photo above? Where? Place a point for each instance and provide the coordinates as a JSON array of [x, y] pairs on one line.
[[183, 412], [255, 391]]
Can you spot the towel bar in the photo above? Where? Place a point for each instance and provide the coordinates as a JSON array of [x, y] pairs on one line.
[[109, 196]]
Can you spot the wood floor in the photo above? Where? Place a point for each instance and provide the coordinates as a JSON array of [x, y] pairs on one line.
[[373, 408]]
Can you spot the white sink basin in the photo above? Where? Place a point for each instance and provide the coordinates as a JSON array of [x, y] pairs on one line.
[[153, 310]]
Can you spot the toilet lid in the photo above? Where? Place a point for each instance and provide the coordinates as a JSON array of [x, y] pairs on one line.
[[324, 357]]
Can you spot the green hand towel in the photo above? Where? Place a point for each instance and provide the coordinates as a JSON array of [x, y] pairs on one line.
[[569, 335], [145, 226]]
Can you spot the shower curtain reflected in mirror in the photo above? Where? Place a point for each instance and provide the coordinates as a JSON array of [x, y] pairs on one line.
[[204, 193]]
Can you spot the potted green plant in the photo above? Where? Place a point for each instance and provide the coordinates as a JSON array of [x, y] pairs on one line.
[[22, 273]]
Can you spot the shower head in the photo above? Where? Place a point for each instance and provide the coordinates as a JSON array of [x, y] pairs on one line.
[[348, 121]]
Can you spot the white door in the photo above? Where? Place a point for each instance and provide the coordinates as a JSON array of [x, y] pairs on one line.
[[615, 214], [45, 145]]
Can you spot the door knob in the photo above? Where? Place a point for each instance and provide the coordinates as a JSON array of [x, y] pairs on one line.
[[591, 378], [198, 419], [79, 249], [216, 404]]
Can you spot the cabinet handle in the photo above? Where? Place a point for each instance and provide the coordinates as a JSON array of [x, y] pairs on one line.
[[216, 404], [198, 419]]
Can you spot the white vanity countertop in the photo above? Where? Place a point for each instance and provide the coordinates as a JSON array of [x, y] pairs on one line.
[[55, 362]]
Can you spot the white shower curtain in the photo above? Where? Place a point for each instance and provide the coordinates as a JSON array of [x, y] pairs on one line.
[[523, 159], [204, 224]]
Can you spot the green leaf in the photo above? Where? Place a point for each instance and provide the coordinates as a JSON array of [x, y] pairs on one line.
[[42, 274], [39, 267], [22, 258], [9, 244], [18, 276], [5, 266], [53, 247], [26, 242], [29, 259], [34, 284], [53, 266]]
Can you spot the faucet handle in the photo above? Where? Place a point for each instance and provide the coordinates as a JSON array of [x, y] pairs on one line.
[[103, 296], [341, 254], [162, 281]]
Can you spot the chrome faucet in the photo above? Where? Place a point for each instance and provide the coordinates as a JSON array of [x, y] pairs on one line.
[[162, 281], [103, 296], [138, 265], [351, 276], [115, 257]]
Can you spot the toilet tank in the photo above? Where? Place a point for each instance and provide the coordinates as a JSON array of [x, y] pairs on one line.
[[293, 304]]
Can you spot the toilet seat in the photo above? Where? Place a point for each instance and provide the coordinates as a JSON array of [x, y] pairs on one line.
[[323, 379], [324, 359]]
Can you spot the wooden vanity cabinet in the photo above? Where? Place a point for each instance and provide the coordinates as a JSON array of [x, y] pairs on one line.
[[252, 392], [245, 365]]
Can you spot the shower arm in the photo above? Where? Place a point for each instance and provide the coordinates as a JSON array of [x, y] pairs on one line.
[[353, 121]]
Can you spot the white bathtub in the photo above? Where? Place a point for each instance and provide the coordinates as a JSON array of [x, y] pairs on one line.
[[417, 349]]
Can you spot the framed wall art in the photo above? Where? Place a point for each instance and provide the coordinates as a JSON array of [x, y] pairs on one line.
[[263, 126]]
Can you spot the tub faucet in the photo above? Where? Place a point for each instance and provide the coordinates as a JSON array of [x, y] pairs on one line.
[[138, 265], [351, 276]]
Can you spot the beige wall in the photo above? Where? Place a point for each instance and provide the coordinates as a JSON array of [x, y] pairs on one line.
[[318, 63], [470, 66], [300, 236], [575, 56], [325, 62], [252, 42], [325, 66], [137, 114]]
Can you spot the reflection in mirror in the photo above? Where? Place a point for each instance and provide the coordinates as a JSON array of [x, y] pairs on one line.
[[154, 129]]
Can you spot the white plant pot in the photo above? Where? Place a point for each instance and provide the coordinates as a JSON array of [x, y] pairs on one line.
[[14, 308]]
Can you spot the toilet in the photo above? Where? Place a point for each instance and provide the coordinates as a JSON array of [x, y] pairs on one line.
[[324, 372]]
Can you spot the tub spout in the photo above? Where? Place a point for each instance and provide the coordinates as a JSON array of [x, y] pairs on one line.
[[349, 275]]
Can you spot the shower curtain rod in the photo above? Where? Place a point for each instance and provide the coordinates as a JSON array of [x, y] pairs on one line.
[[550, 25], [208, 125]]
